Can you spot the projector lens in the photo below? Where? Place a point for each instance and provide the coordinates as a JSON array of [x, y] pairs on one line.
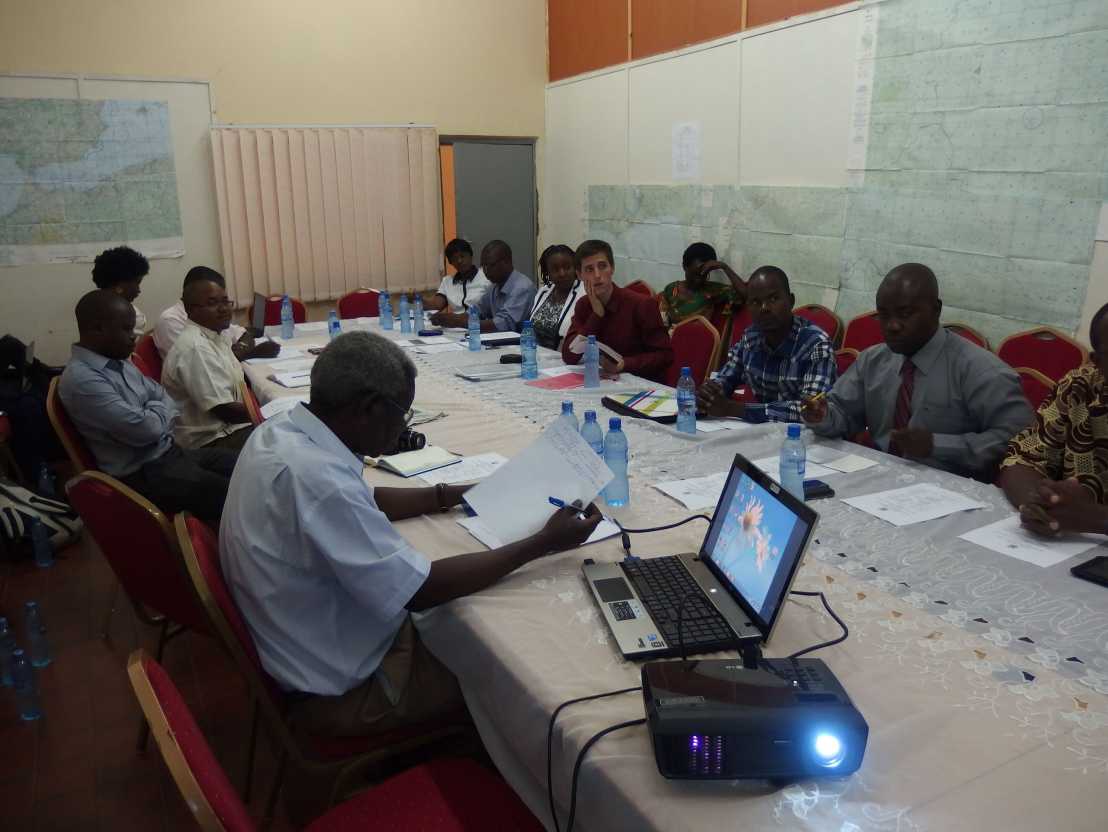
[[829, 750]]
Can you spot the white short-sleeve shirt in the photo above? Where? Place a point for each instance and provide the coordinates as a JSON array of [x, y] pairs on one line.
[[173, 320], [463, 294], [200, 373], [319, 572]]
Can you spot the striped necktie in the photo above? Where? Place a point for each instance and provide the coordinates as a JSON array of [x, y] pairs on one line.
[[902, 415]]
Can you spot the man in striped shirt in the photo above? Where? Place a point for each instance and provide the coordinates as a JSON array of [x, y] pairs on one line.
[[781, 357]]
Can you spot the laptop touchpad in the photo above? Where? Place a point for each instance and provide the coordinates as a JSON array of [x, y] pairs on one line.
[[613, 589]]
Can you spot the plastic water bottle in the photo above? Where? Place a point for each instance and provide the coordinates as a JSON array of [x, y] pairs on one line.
[[474, 326], [36, 634], [7, 645], [405, 314], [591, 432], [793, 457], [418, 312], [617, 492], [40, 544], [384, 310], [592, 362], [334, 328], [569, 416], [288, 326], [527, 348], [26, 693], [686, 402], [44, 482]]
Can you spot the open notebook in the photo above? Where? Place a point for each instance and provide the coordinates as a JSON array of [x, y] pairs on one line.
[[414, 463]]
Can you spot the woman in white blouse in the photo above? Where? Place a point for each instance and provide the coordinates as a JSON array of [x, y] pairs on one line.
[[553, 309], [458, 291]]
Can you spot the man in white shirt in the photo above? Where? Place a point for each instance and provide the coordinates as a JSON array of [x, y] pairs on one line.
[[203, 376], [172, 321], [323, 579]]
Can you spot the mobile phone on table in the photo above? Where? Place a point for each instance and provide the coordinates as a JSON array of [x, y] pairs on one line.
[[817, 490], [1095, 570]]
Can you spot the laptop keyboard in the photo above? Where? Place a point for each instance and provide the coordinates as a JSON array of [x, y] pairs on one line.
[[661, 584]]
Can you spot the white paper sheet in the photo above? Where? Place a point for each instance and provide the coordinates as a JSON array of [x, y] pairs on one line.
[[604, 529], [715, 425], [475, 467], [292, 365], [514, 501], [913, 504], [431, 349], [850, 463], [695, 493], [271, 409], [812, 470], [1008, 537], [284, 354], [561, 370], [300, 378]]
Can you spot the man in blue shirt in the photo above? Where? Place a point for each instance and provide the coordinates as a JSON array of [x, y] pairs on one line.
[[127, 419], [783, 358], [507, 303], [323, 579]]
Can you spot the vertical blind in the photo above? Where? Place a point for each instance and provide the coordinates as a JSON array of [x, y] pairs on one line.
[[316, 212]]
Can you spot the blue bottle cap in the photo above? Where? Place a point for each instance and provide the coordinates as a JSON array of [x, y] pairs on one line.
[[794, 430], [686, 371], [614, 423], [590, 415], [592, 339]]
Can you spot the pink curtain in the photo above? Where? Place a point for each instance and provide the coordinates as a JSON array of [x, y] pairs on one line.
[[319, 211]]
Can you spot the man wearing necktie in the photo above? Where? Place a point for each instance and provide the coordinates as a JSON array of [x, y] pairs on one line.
[[925, 394]]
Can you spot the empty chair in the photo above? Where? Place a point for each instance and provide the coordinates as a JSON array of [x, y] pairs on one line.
[[641, 287], [147, 359], [844, 358], [969, 333], [1036, 386], [824, 318], [74, 444], [1047, 350], [863, 332], [695, 345], [273, 310], [361, 303]]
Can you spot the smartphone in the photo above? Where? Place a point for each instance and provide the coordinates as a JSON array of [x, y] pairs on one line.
[[511, 359], [817, 490], [1095, 570]]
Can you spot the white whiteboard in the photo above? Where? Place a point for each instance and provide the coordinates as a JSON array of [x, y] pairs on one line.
[[39, 298], [700, 87]]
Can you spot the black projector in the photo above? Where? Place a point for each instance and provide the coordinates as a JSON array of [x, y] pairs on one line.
[[783, 720]]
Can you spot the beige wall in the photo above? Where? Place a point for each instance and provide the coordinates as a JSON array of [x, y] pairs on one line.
[[465, 66]]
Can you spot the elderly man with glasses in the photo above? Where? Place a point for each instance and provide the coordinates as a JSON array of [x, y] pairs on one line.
[[323, 578], [203, 375]]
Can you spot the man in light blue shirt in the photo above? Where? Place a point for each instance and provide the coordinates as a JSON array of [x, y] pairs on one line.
[[507, 303], [322, 577], [127, 419]]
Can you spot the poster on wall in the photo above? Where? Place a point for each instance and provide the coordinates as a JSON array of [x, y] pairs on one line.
[[686, 150], [79, 176]]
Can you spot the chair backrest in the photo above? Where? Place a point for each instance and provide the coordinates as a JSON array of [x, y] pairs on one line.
[[844, 358], [203, 783], [1047, 350], [252, 406], [863, 332], [1036, 386], [361, 303], [739, 323], [149, 361], [824, 318], [969, 333], [75, 447], [139, 544], [641, 287], [695, 343], [273, 310]]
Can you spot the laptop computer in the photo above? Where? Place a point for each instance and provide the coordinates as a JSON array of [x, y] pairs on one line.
[[257, 316], [732, 590]]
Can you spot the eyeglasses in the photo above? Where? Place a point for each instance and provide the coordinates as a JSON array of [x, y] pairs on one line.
[[409, 414]]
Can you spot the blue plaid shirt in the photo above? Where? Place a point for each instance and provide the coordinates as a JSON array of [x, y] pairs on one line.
[[801, 366]]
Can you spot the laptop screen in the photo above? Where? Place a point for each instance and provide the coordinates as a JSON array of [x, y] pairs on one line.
[[257, 318], [756, 540]]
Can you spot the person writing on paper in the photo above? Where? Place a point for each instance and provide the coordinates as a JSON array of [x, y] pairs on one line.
[[323, 578], [203, 376], [504, 307], [553, 309], [466, 286], [783, 358], [925, 394], [172, 321], [127, 420], [121, 270], [1056, 471], [696, 295], [625, 321]]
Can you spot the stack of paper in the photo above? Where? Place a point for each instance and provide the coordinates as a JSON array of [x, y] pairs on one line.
[[913, 504], [812, 470], [298, 378], [714, 425], [474, 525], [1008, 537], [697, 493]]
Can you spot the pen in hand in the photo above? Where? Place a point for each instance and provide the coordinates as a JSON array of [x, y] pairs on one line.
[[554, 501]]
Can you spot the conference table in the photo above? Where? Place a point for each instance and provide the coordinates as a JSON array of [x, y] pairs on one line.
[[983, 678]]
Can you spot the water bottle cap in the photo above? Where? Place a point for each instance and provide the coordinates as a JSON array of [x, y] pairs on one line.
[[614, 423], [686, 371], [18, 653], [590, 415], [31, 605], [592, 339], [567, 407], [794, 431], [3, 623]]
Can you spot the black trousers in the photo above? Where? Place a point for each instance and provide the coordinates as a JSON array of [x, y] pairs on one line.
[[195, 481]]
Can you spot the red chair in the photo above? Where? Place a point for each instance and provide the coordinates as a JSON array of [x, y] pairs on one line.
[[75, 447], [739, 323], [273, 310], [252, 406], [969, 333], [695, 344], [641, 287], [1047, 350], [361, 303], [448, 795], [863, 332], [147, 359], [844, 358], [338, 760], [824, 318], [1036, 386]]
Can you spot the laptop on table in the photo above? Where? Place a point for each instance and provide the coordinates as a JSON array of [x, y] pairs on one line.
[[257, 316], [733, 589]]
